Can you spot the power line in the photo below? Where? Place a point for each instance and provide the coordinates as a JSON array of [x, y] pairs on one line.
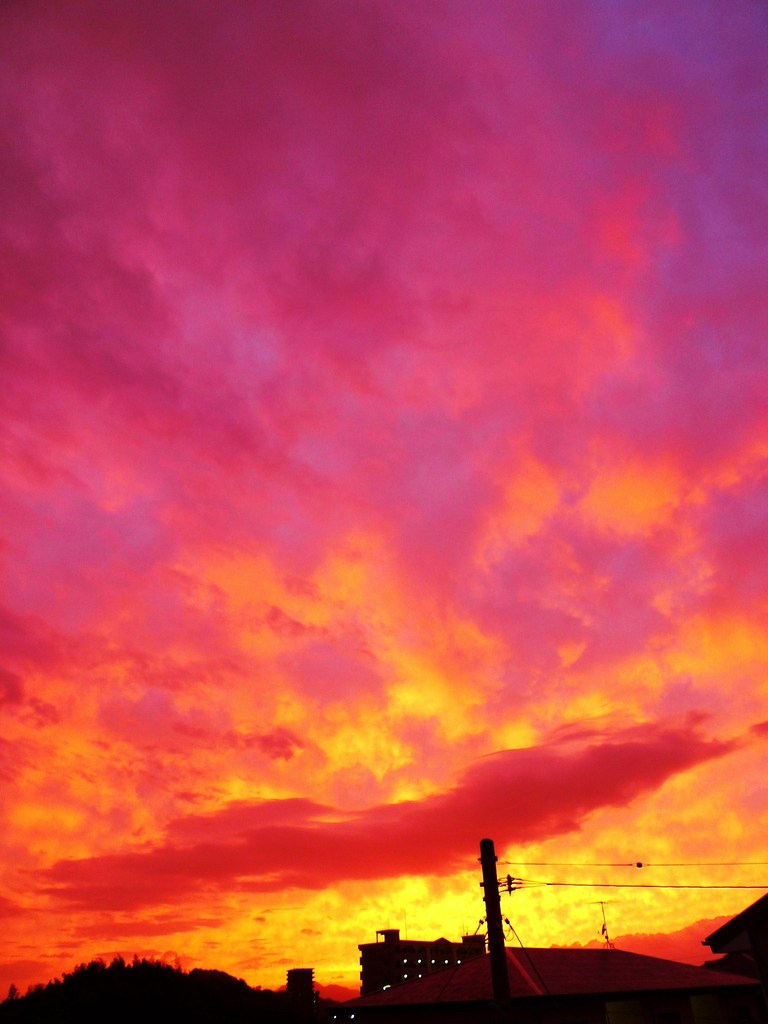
[[634, 864], [566, 864], [527, 883], [711, 864]]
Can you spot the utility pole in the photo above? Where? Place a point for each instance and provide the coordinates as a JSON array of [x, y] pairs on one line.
[[496, 951]]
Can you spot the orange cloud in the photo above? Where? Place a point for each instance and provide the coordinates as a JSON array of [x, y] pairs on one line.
[[384, 429], [633, 499]]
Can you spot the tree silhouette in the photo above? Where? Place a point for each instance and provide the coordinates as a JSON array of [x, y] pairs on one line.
[[145, 991]]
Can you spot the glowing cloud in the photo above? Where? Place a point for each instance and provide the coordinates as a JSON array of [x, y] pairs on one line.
[[384, 465]]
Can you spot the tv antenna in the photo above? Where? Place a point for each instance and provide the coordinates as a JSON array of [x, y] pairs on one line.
[[604, 929]]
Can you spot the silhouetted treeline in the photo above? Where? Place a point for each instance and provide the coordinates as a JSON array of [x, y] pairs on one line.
[[143, 992]]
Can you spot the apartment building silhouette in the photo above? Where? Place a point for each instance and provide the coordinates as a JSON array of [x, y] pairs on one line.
[[394, 960]]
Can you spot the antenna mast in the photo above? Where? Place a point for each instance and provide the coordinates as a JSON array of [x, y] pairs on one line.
[[604, 929]]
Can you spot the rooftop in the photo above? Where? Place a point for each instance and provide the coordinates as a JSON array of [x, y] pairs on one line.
[[733, 935], [557, 972]]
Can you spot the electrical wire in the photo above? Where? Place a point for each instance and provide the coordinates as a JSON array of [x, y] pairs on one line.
[[565, 864], [523, 883], [528, 956], [634, 864], [711, 864]]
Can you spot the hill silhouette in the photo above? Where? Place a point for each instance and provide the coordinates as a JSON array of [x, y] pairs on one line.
[[145, 991]]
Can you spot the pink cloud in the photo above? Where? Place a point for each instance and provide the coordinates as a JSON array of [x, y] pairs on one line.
[[278, 744], [157, 925], [273, 844], [281, 277], [11, 688], [303, 265]]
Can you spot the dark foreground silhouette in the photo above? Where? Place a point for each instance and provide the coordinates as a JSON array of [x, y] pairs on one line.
[[146, 991]]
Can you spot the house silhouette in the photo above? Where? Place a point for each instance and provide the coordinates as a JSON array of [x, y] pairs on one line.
[[567, 986]]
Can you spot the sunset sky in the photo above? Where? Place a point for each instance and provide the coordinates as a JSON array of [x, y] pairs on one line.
[[384, 418]]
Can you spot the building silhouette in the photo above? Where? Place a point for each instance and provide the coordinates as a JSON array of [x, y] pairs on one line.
[[746, 936], [300, 988], [565, 986], [394, 960]]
